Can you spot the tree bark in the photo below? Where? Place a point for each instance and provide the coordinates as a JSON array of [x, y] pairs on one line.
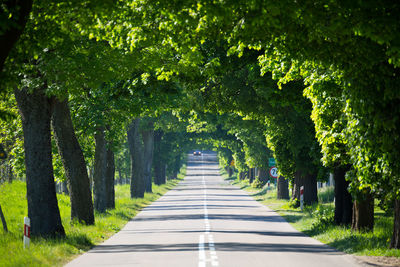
[[282, 188], [343, 199], [363, 213], [395, 242], [36, 109], [177, 166], [158, 162], [310, 189], [263, 175], [100, 171], [3, 220], [110, 179], [148, 143], [120, 178], [136, 151], [74, 164], [297, 183], [10, 174], [230, 172]]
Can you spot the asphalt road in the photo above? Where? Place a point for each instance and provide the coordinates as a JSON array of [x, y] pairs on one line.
[[205, 221]]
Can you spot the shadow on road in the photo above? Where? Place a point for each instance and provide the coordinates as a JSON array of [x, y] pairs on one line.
[[224, 246]]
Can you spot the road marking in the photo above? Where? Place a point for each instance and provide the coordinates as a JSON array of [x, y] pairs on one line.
[[202, 254], [211, 246]]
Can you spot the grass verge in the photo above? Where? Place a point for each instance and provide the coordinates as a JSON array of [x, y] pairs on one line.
[[80, 238], [317, 221]]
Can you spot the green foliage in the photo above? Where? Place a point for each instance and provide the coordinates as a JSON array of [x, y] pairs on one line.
[[257, 183], [323, 216]]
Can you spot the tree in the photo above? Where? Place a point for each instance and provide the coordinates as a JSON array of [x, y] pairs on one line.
[[73, 162], [136, 151], [36, 110]]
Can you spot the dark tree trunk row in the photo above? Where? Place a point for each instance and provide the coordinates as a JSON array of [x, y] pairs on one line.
[[343, 199], [36, 110], [282, 188], [110, 179], [176, 166], [73, 162], [158, 162], [148, 145], [104, 173], [251, 175], [137, 155], [230, 171]]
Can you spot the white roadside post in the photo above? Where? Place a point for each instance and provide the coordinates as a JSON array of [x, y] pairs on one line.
[[27, 232], [301, 197]]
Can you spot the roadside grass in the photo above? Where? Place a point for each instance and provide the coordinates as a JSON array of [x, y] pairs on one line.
[[317, 221], [80, 238]]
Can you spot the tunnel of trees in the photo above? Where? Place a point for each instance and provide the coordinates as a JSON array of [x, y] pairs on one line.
[[95, 93]]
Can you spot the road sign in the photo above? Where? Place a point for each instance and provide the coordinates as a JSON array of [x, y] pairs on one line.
[[271, 162], [273, 172]]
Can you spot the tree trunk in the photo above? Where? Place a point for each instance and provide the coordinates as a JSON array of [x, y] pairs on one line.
[[282, 188], [74, 164], [309, 182], [3, 220], [164, 172], [177, 166], [120, 178], [158, 162], [363, 213], [100, 171], [148, 142], [310, 189], [230, 172], [263, 175], [36, 109], [109, 180], [136, 150], [343, 199], [65, 190], [251, 175], [297, 183], [395, 243], [10, 173]]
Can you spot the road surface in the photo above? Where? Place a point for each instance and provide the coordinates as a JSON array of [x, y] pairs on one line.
[[205, 221]]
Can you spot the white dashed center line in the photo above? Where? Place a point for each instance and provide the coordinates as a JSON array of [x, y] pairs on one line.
[[211, 247]]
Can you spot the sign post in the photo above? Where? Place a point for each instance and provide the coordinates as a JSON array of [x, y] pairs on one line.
[[27, 232], [301, 198]]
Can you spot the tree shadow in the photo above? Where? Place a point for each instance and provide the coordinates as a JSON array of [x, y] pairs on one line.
[[80, 241]]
